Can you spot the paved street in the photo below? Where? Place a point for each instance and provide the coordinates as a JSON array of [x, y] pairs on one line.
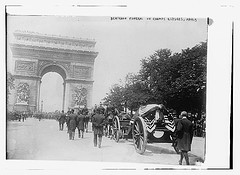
[[42, 140]]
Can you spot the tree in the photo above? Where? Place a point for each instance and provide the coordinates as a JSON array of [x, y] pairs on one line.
[[176, 80], [115, 97], [129, 95], [10, 84], [156, 73], [135, 92], [190, 86]]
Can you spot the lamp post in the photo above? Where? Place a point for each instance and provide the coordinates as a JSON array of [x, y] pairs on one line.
[[41, 106]]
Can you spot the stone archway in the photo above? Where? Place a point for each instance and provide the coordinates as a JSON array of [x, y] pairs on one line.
[[57, 69], [35, 54]]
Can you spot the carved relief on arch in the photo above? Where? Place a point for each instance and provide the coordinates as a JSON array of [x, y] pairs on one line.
[[67, 66], [82, 72], [23, 93], [42, 64], [80, 96], [27, 67]]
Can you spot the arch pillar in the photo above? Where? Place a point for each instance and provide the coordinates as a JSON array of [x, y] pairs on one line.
[[66, 97], [39, 82], [64, 92]]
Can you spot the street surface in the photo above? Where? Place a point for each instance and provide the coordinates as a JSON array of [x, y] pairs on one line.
[[42, 140]]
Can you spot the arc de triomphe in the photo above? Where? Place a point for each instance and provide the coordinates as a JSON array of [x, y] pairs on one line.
[[36, 54]]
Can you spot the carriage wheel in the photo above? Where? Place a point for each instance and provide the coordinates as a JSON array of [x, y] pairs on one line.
[[139, 133], [116, 128]]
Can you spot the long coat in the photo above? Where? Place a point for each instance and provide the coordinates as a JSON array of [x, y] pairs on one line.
[[80, 120], [72, 122], [98, 121], [184, 134], [62, 118]]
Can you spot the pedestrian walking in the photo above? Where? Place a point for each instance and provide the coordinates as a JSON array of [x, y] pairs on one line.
[[61, 120], [80, 124], [72, 125], [86, 118], [68, 120], [98, 121], [184, 137]]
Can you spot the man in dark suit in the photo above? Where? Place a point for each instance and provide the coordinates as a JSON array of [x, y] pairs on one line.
[[72, 124], [61, 120], [184, 137], [80, 124], [98, 121]]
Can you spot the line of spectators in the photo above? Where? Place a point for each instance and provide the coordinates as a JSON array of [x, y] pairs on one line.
[[199, 122]]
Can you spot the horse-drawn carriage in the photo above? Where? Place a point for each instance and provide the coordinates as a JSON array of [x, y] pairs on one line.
[[150, 124]]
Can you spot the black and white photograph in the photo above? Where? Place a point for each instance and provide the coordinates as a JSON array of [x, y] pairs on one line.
[[108, 89], [87, 88]]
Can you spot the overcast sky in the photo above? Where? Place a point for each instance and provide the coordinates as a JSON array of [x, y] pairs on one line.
[[121, 46]]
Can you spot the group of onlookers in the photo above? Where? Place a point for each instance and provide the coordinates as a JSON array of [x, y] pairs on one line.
[[19, 116], [199, 122]]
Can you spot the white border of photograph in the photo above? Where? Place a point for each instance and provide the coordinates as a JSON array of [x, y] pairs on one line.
[[218, 79]]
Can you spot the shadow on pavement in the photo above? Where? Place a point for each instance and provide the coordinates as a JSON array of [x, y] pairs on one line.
[[159, 150]]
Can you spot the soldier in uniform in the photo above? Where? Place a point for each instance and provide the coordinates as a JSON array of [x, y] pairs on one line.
[[98, 121]]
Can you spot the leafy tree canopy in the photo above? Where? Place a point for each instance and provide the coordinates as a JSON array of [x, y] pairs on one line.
[[177, 80]]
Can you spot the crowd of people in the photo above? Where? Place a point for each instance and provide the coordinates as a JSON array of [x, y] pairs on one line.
[[199, 122], [78, 119], [19, 116], [187, 124], [74, 119]]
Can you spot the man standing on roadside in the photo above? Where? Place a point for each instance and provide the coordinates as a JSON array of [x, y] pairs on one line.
[[184, 137]]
